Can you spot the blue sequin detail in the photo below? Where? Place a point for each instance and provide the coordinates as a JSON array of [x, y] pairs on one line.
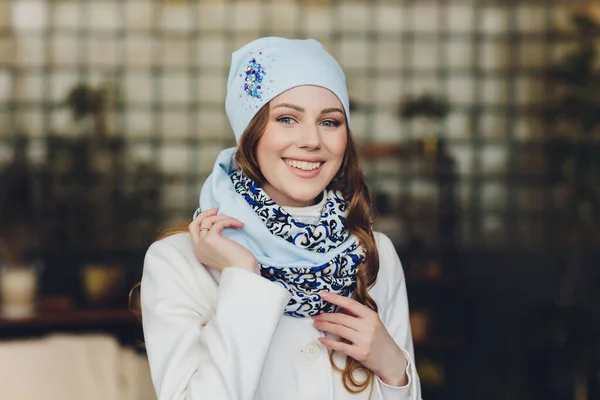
[[253, 80]]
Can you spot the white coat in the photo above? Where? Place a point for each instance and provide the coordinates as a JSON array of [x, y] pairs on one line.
[[224, 336]]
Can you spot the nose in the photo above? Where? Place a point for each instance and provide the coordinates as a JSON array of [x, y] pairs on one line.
[[309, 138]]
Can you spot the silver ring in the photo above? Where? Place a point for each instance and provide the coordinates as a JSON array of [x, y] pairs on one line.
[[204, 229]]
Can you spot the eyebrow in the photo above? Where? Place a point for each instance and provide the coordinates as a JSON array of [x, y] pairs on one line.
[[300, 109]]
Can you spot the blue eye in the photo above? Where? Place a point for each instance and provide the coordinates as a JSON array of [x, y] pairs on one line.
[[331, 123], [285, 120]]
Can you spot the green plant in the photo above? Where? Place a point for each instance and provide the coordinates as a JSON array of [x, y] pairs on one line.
[[17, 217], [566, 331], [572, 146]]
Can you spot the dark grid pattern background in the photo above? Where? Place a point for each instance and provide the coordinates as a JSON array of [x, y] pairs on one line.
[[169, 62]]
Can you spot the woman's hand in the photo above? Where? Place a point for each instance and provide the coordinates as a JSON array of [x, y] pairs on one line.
[[214, 250], [370, 342]]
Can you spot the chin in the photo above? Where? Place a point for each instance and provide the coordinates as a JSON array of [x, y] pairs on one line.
[[306, 195], [289, 190]]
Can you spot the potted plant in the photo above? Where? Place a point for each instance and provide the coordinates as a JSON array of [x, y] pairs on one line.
[[18, 272]]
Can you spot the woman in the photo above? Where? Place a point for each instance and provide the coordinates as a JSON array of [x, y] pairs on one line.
[[280, 265]]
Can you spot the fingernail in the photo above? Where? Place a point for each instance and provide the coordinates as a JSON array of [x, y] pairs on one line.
[[325, 295]]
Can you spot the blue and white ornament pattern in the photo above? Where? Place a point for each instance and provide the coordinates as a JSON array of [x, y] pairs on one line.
[[322, 237], [305, 283]]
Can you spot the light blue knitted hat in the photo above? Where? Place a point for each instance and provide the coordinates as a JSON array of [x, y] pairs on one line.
[[267, 67]]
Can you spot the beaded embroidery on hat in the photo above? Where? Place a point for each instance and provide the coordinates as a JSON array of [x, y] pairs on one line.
[[254, 78]]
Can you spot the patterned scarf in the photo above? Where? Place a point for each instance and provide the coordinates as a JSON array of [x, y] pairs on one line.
[[305, 259], [305, 283]]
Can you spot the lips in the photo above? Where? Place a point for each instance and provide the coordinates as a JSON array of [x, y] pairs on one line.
[[303, 165], [305, 174]]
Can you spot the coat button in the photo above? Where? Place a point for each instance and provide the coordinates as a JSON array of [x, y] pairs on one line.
[[312, 351]]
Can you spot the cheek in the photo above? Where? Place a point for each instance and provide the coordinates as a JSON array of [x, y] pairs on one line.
[[271, 142], [337, 144], [268, 153]]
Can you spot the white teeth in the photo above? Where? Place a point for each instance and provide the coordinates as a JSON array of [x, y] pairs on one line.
[[303, 165]]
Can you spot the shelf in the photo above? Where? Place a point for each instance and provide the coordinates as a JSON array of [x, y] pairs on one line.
[[75, 317]]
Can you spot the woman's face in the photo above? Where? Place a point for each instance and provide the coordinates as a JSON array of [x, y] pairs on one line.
[[303, 145]]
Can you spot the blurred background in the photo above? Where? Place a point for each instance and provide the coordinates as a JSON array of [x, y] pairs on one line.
[[478, 124]]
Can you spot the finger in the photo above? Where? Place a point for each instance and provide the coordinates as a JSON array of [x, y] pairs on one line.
[[360, 310], [194, 226], [342, 347], [340, 319], [218, 227], [338, 330], [209, 221], [196, 221], [206, 213]]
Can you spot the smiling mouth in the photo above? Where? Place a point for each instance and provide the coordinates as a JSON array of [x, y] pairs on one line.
[[303, 165]]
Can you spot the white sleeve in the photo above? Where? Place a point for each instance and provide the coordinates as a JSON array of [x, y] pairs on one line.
[[198, 349], [395, 317]]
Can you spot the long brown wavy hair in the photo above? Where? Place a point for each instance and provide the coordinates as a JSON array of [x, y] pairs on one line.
[[350, 181]]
